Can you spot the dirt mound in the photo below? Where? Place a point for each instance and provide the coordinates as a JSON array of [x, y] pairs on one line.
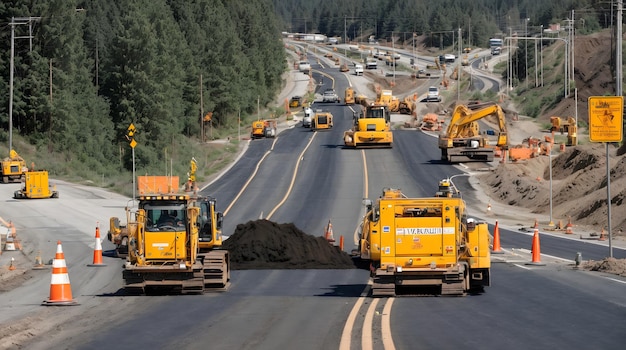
[[608, 265], [263, 244], [578, 186]]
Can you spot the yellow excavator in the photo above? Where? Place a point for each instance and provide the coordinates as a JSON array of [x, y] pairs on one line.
[[463, 142]]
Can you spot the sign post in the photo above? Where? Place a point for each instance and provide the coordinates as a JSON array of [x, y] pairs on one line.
[[605, 125], [130, 136]]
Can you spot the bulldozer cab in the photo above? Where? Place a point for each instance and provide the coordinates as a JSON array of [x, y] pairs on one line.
[[168, 216]]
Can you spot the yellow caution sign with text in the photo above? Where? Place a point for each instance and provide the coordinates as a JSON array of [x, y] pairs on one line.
[[605, 118]]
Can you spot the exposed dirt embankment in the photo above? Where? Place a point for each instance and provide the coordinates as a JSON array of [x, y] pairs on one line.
[[579, 186]]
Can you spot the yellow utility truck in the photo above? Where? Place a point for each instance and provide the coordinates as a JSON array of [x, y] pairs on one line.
[[174, 244], [36, 185], [12, 168], [414, 244]]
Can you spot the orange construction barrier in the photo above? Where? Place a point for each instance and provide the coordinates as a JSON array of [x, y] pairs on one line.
[[97, 250], [328, 234], [496, 240], [536, 250], [60, 288]]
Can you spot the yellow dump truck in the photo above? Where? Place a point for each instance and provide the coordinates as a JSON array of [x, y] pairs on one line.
[[416, 243], [36, 185]]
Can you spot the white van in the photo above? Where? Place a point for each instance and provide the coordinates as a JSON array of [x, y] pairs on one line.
[[358, 69]]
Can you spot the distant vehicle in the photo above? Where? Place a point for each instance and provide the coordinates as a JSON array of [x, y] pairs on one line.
[[308, 114], [330, 96], [358, 69], [433, 94], [333, 41], [496, 50], [371, 63], [449, 58], [396, 56], [494, 42], [304, 67]]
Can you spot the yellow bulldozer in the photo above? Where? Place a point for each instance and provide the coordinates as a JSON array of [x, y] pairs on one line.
[[174, 244], [371, 127]]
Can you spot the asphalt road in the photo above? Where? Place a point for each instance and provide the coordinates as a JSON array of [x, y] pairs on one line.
[[306, 178]]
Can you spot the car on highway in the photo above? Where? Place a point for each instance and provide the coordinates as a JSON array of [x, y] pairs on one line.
[[330, 96], [433, 94], [308, 114], [304, 67]]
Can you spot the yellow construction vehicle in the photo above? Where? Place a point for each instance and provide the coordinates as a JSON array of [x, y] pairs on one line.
[[36, 185], [371, 128], [404, 106], [12, 168], [295, 102], [462, 140], [263, 128], [568, 127], [321, 120], [349, 96], [417, 244], [174, 244]]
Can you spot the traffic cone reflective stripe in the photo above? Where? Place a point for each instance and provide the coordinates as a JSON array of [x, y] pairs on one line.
[[496, 240], [60, 288], [97, 251], [536, 250]]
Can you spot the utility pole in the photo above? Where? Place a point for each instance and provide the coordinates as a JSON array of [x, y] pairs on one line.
[[17, 21]]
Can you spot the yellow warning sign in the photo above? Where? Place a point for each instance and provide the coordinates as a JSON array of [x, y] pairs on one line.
[[605, 118]]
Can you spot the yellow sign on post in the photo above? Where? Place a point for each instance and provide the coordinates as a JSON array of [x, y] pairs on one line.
[[605, 118]]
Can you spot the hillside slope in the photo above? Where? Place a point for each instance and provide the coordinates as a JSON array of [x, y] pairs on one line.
[[579, 174]]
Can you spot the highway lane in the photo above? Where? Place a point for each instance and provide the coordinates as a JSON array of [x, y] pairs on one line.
[[307, 309]]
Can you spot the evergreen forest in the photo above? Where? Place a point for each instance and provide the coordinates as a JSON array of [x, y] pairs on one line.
[[83, 71]]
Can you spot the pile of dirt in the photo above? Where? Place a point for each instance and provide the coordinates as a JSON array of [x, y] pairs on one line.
[[578, 186], [263, 244], [608, 265]]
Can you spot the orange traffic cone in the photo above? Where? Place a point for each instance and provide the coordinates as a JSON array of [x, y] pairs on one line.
[[569, 222], [536, 224], [568, 230], [340, 242], [60, 288], [12, 267], [97, 251], [496, 240], [602, 236], [536, 250], [329, 233]]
